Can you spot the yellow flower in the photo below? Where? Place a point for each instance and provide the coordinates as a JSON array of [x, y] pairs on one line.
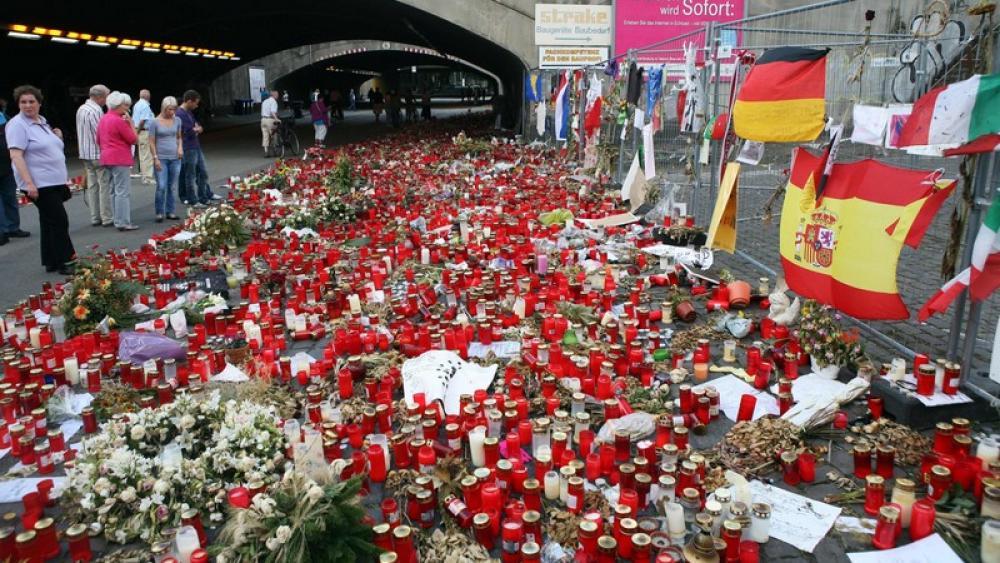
[[106, 283], [83, 295], [80, 312]]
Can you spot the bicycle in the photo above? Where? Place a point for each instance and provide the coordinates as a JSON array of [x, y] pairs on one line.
[[284, 140]]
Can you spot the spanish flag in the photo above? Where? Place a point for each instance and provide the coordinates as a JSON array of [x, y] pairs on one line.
[[781, 100], [842, 248]]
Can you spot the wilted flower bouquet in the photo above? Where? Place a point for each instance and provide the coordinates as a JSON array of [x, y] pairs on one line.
[[822, 337], [144, 469], [298, 520], [218, 228], [97, 291]]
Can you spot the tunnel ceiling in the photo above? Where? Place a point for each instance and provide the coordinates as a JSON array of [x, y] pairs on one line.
[[251, 29]]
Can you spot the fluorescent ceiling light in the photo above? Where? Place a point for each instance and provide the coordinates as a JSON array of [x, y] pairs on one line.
[[127, 47], [21, 35], [172, 52], [151, 49], [191, 54], [64, 40], [98, 44]]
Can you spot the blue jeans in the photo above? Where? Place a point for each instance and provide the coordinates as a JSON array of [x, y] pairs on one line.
[[166, 185], [10, 218], [121, 194], [197, 176]]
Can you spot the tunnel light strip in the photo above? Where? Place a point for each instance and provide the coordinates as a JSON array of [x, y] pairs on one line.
[[22, 31]]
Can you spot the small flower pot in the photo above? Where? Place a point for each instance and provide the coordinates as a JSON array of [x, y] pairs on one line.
[[739, 294], [685, 311]]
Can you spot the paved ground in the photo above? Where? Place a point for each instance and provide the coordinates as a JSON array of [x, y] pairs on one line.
[[232, 147]]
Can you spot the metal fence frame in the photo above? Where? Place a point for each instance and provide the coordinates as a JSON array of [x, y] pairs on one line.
[[800, 26]]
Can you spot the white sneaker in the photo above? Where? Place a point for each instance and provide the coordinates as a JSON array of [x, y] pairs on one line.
[[216, 197]]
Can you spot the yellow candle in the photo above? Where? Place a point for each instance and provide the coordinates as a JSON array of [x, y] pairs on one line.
[[700, 372]]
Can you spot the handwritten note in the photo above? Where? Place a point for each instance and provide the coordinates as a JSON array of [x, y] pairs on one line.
[[909, 385], [796, 520], [731, 390], [13, 491], [931, 549]]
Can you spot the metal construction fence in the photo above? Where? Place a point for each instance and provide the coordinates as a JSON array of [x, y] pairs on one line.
[[909, 48]]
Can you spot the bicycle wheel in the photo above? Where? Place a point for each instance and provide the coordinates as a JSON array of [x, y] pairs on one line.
[[277, 147], [293, 144]]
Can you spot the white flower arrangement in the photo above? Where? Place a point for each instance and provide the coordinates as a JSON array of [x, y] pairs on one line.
[[143, 469]]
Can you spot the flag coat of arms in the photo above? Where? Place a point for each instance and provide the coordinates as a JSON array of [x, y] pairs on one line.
[[782, 99], [843, 249], [533, 88]]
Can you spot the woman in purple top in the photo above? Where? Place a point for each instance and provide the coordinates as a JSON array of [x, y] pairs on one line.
[[36, 154], [115, 136], [320, 118]]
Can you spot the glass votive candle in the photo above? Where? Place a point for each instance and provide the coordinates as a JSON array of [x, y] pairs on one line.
[[922, 518], [729, 351], [862, 460], [874, 494], [885, 529]]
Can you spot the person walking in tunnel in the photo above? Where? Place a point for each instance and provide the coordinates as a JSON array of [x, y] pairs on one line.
[[199, 193], [320, 119], [142, 114], [98, 185], [10, 216], [166, 144], [39, 163], [352, 99], [116, 137], [411, 106], [378, 103], [268, 121], [336, 105]]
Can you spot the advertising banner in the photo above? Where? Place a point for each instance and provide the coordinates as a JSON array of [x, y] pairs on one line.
[[572, 24], [258, 84], [642, 22], [570, 57]]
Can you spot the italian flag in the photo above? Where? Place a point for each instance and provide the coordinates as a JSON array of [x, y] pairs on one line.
[[956, 115], [982, 277]]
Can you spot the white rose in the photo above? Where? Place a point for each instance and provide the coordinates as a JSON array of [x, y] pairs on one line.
[[138, 432], [315, 493], [161, 487], [187, 422], [283, 534], [273, 544], [128, 495]]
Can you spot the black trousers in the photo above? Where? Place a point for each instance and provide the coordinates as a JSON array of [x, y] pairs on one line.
[[53, 224]]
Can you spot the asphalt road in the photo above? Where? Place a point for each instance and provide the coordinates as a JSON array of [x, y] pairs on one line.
[[230, 150]]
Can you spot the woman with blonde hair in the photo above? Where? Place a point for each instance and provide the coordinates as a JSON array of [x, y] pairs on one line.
[[167, 148], [115, 136]]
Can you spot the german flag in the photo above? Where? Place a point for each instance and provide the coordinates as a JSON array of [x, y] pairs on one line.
[[842, 249], [781, 100]]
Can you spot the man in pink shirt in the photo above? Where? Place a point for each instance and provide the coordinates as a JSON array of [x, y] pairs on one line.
[[115, 136]]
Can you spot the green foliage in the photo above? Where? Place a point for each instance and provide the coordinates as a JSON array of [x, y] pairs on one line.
[[316, 528], [97, 291]]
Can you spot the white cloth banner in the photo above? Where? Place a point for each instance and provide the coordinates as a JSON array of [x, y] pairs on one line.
[[540, 118], [869, 124], [648, 152]]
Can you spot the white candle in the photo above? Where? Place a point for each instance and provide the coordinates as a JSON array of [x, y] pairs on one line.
[[425, 256], [898, 369], [355, 302], [72, 368], [551, 485], [476, 437], [675, 522], [989, 549], [988, 450], [300, 323], [34, 335], [186, 542]]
